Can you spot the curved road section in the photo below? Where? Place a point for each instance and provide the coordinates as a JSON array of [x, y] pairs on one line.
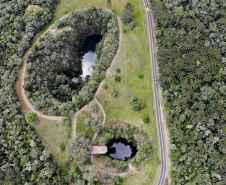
[[163, 174]]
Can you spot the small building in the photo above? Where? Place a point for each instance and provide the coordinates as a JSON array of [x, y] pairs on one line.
[[99, 150]]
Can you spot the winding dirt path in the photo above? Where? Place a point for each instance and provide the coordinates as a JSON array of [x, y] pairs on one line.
[[102, 169], [109, 70], [26, 105]]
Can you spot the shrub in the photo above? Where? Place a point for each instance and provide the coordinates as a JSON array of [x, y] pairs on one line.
[[87, 121], [76, 146], [133, 99], [140, 76], [114, 93], [66, 121], [136, 105], [93, 107], [109, 3], [127, 16], [31, 117], [62, 147], [102, 141], [96, 125], [131, 25], [117, 79], [105, 86], [118, 70], [145, 119]]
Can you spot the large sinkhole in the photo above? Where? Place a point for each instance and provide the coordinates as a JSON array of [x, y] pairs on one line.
[[61, 78], [121, 149], [89, 55]]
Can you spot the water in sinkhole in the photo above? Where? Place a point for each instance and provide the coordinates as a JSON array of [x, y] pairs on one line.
[[89, 55], [121, 149]]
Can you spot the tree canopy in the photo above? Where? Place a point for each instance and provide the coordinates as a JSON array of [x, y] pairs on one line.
[[191, 56], [31, 117]]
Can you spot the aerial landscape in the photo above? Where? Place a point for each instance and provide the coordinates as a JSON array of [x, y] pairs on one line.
[[112, 92]]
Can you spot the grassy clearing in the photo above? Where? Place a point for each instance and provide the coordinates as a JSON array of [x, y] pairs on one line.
[[53, 134], [134, 60], [81, 128]]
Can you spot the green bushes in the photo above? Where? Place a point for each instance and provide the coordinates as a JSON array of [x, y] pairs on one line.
[[141, 76], [136, 105], [62, 147], [127, 16], [145, 119], [114, 93], [105, 86], [95, 124], [31, 117], [80, 149], [117, 79], [117, 70], [109, 3], [66, 121], [93, 107]]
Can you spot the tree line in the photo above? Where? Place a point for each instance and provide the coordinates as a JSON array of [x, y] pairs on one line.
[[191, 57], [23, 159]]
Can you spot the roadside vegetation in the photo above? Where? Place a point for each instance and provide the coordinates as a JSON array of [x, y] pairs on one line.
[[192, 64]]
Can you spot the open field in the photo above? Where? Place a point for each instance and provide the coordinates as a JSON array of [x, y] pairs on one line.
[[53, 134], [134, 62], [81, 128]]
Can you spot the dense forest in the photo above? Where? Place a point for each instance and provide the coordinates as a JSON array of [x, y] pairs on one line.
[[191, 56], [53, 84], [22, 158]]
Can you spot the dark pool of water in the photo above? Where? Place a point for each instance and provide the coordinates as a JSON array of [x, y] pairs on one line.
[[89, 55], [121, 149]]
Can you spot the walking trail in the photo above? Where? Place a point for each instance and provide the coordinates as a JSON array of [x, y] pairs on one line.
[[27, 106], [19, 86]]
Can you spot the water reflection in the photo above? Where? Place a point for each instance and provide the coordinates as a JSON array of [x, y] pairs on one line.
[[87, 64], [121, 149], [89, 55]]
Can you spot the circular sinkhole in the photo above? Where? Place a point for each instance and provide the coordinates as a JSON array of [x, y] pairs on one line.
[[121, 149]]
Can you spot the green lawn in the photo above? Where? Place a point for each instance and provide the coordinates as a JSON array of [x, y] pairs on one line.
[[81, 128], [133, 60], [53, 134]]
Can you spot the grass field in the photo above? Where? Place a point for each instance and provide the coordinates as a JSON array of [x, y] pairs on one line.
[[134, 61], [81, 128], [53, 134]]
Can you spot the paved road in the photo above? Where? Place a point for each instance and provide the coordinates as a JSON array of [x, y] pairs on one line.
[[163, 174]]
